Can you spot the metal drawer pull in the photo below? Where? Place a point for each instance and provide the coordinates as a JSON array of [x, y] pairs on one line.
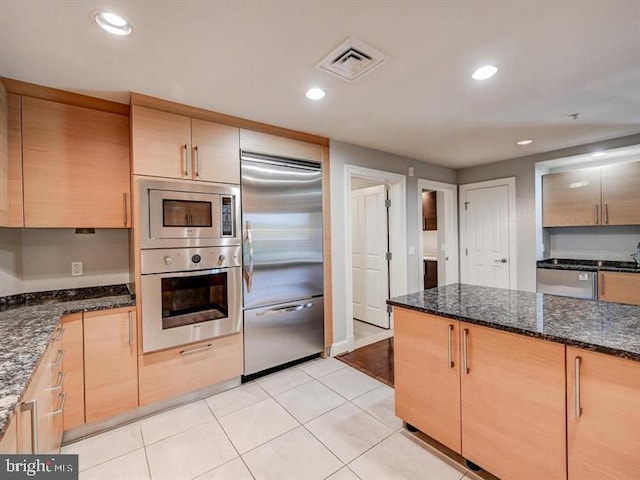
[[293, 308], [130, 329], [125, 211], [450, 351], [595, 214], [186, 159], [465, 360], [32, 407], [197, 161], [59, 335], [58, 360], [63, 397], [606, 213], [196, 350], [60, 383], [578, 408]]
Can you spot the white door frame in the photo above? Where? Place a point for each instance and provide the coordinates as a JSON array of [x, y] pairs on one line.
[[510, 182], [397, 185], [451, 227]]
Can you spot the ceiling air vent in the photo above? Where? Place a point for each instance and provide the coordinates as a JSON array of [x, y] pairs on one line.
[[352, 60]]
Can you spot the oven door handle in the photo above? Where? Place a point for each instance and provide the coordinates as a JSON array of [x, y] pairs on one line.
[[292, 308], [248, 273]]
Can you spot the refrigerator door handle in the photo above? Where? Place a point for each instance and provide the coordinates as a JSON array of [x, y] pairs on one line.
[[248, 273], [293, 308]]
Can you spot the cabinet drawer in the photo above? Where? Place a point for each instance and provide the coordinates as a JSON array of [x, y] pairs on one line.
[[181, 370]]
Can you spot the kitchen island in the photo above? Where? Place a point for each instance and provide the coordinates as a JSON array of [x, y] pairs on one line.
[[524, 385]]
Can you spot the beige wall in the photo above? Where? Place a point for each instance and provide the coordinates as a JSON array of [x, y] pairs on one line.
[[34, 260]]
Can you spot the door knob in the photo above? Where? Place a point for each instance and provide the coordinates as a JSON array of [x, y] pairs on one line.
[[502, 260]]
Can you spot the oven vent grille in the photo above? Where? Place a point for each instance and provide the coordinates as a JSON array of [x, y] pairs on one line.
[[352, 60]]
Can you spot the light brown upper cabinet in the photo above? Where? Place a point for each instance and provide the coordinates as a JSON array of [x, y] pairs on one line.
[[592, 196], [266, 143], [10, 161], [75, 166], [176, 146]]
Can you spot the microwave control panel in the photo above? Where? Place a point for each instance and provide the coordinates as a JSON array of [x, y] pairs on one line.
[[227, 216]]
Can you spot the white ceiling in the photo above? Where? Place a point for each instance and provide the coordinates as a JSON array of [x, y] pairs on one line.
[[255, 59]]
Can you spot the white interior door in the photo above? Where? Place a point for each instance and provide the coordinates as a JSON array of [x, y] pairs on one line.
[[369, 249], [487, 215]]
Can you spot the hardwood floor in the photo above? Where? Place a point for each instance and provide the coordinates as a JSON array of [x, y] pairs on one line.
[[376, 360]]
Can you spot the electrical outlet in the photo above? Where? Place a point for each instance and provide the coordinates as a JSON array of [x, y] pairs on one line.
[[412, 171], [76, 269]]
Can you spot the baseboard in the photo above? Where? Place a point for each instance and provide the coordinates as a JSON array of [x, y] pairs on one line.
[[342, 346]]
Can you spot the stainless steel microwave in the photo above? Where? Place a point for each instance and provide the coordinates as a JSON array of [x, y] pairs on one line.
[[188, 214]]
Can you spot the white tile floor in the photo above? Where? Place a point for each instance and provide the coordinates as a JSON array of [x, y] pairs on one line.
[[319, 420]]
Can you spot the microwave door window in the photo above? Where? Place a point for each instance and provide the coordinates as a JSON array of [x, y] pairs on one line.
[[186, 213], [191, 300]]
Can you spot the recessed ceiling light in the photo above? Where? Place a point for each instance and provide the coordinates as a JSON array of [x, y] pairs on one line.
[[113, 23], [315, 93], [528, 141], [598, 154], [485, 72]]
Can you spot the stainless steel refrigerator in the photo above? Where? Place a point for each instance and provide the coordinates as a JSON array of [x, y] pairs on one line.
[[282, 261]]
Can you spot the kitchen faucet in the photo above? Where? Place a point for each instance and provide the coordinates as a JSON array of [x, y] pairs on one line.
[[636, 256]]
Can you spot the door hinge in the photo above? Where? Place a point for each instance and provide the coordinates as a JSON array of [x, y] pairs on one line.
[[388, 255], [389, 309], [387, 203], [466, 206]]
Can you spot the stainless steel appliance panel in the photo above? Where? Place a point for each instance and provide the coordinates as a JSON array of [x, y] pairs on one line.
[[184, 259], [568, 283], [282, 333], [282, 231]]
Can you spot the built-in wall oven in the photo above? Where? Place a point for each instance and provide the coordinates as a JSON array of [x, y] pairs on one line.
[[190, 262], [189, 295]]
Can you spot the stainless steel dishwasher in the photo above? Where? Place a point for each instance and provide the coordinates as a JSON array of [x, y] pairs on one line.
[[568, 283]]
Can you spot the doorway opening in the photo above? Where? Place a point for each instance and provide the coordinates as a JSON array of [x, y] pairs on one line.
[[376, 265], [438, 236]]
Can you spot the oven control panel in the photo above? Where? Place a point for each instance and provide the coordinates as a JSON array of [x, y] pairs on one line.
[[166, 260]]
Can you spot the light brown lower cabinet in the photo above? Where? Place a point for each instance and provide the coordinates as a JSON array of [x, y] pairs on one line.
[[110, 363], [9, 441], [177, 371], [73, 363], [513, 413], [619, 287], [603, 416], [40, 412], [427, 374]]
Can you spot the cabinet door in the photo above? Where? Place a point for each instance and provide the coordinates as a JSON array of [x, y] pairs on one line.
[[275, 145], [619, 287], [75, 166], [216, 152], [513, 404], [427, 374], [9, 440], [571, 198], [621, 194], [161, 143], [111, 374], [10, 161], [73, 364], [603, 424]]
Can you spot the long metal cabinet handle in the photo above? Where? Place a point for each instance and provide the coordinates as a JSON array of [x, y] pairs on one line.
[[605, 207], [292, 308], [249, 277], [186, 159], [595, 214], [195, 149], [578, 407], [196, 350], [32, 406], [130, 328], [601, 279], [450, 349], [125, 210], [59, 334], [58, 360], [465, 359], [60, 383], [63, 397]]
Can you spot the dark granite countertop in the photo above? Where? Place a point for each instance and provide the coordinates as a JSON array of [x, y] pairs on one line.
[[607, 327], [589, 265], [27, 322]]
